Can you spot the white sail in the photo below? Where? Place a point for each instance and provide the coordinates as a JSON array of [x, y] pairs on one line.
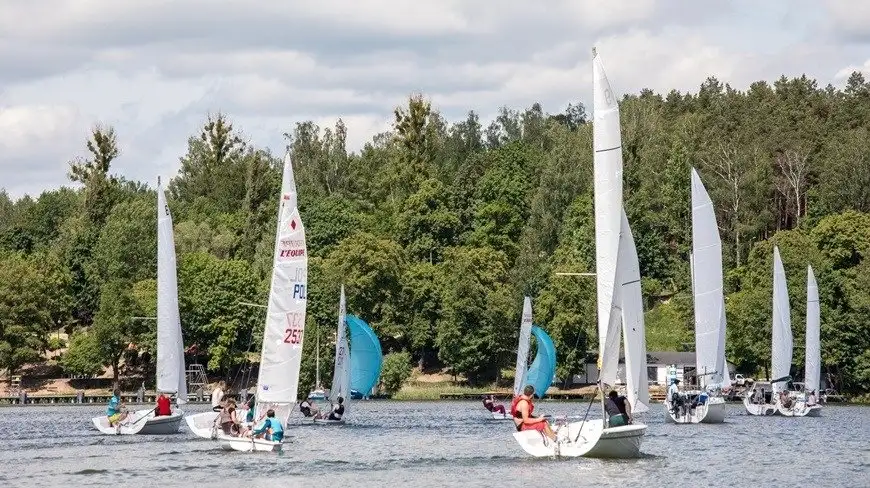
[[781, 346], [341, 371], [283, 335], [813, 371], [607, 161], [171, 377], [636, 379], [523, 348], [707, 287]]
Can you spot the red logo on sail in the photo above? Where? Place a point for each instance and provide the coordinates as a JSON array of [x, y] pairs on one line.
[[293, 224]]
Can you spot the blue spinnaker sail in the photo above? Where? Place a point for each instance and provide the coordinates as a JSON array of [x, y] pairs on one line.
[[543, 368], [366, 357]]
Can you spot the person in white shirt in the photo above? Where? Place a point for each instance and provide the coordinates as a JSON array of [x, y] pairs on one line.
[[217, 395], [676, 399]]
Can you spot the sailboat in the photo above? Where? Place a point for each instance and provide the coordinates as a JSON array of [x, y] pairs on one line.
[[615, 278], [763, 398], [542, 370], [281, 356], [341, 371], [709, 301], [812, 367], [171, 370], [318, 393]]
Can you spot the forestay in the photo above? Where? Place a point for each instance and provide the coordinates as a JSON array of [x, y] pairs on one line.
[[707, 287], [607, 161], [171, 377], [636, 376], [781, 351], [812, 373], [283, 335], [523, 348], [341, 371]]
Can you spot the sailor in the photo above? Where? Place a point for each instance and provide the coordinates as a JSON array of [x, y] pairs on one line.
[[271, 428], [489, 404], [618, 408], [115, 411], [337, 410], [308, 409], [217, 395], [163, 408], [522, 409], [677, 400]]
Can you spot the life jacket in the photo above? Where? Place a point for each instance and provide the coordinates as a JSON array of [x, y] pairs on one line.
[[516, 413]]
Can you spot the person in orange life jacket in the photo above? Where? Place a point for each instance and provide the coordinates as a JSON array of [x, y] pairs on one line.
[[489, 404], [163, 408], [522, 409]]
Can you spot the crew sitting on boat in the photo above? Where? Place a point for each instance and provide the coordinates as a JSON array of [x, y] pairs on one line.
[[116, 411], [522, 409], [489, 404], [308, 410], [701, 399], [811, 398], [271, 429], [163, 407], [618, 409], [227, 418], [217, 396], [678, 402], [337, 410], [785, 399]]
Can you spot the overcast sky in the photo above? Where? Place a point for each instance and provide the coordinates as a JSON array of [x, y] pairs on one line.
[[154, 69]]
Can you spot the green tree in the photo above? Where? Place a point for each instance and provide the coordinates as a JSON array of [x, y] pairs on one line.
[[397, 369]]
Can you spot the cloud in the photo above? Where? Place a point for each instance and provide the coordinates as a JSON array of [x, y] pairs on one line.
[[154, 70], [849, 19]]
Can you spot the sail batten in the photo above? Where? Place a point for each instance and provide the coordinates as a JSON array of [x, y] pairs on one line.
[[607, 162], [813, 371], [171, 377], [781, 335]]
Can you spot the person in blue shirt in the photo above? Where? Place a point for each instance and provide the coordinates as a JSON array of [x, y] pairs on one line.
[[115, 411], [271, 429]]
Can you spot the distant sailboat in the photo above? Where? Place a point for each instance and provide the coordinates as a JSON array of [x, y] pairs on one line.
[[800, 406], [341, 370], [281, 356], [171, 370], [709, 304], [614, 246], [542, 370]]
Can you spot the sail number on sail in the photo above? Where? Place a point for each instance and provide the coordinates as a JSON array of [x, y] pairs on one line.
[[295, 326]]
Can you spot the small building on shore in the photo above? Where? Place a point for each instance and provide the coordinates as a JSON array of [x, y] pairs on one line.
[[657, 367]]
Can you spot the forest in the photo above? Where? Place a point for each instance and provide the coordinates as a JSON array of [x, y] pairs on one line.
[[438, 228]]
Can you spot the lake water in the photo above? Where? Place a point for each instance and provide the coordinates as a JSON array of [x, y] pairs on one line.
[[438, 444]]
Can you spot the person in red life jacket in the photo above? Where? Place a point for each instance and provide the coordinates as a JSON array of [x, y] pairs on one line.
[[522, 409], [163, 407], [489, 404]]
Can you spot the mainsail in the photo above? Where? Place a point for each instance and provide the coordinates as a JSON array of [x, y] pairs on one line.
[[607, 161], [341, 372], [171, 375], [281, 355], [781, 347], [366, 357], [523, 348], [636, 376], [707, 287], [813, 372]]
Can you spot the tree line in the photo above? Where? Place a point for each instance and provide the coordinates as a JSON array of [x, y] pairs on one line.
[[437, 229]]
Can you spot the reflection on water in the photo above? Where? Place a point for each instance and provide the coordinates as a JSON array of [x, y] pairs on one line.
[[436, 444]]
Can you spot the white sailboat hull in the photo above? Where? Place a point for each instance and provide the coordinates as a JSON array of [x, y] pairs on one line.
[[594, 441], [203, 424], [150, 425], [500, 416], [713, 412], [758, 409], [247, 444], [799, 409]]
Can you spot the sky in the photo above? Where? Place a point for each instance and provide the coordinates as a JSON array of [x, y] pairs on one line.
[[155, 69]]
